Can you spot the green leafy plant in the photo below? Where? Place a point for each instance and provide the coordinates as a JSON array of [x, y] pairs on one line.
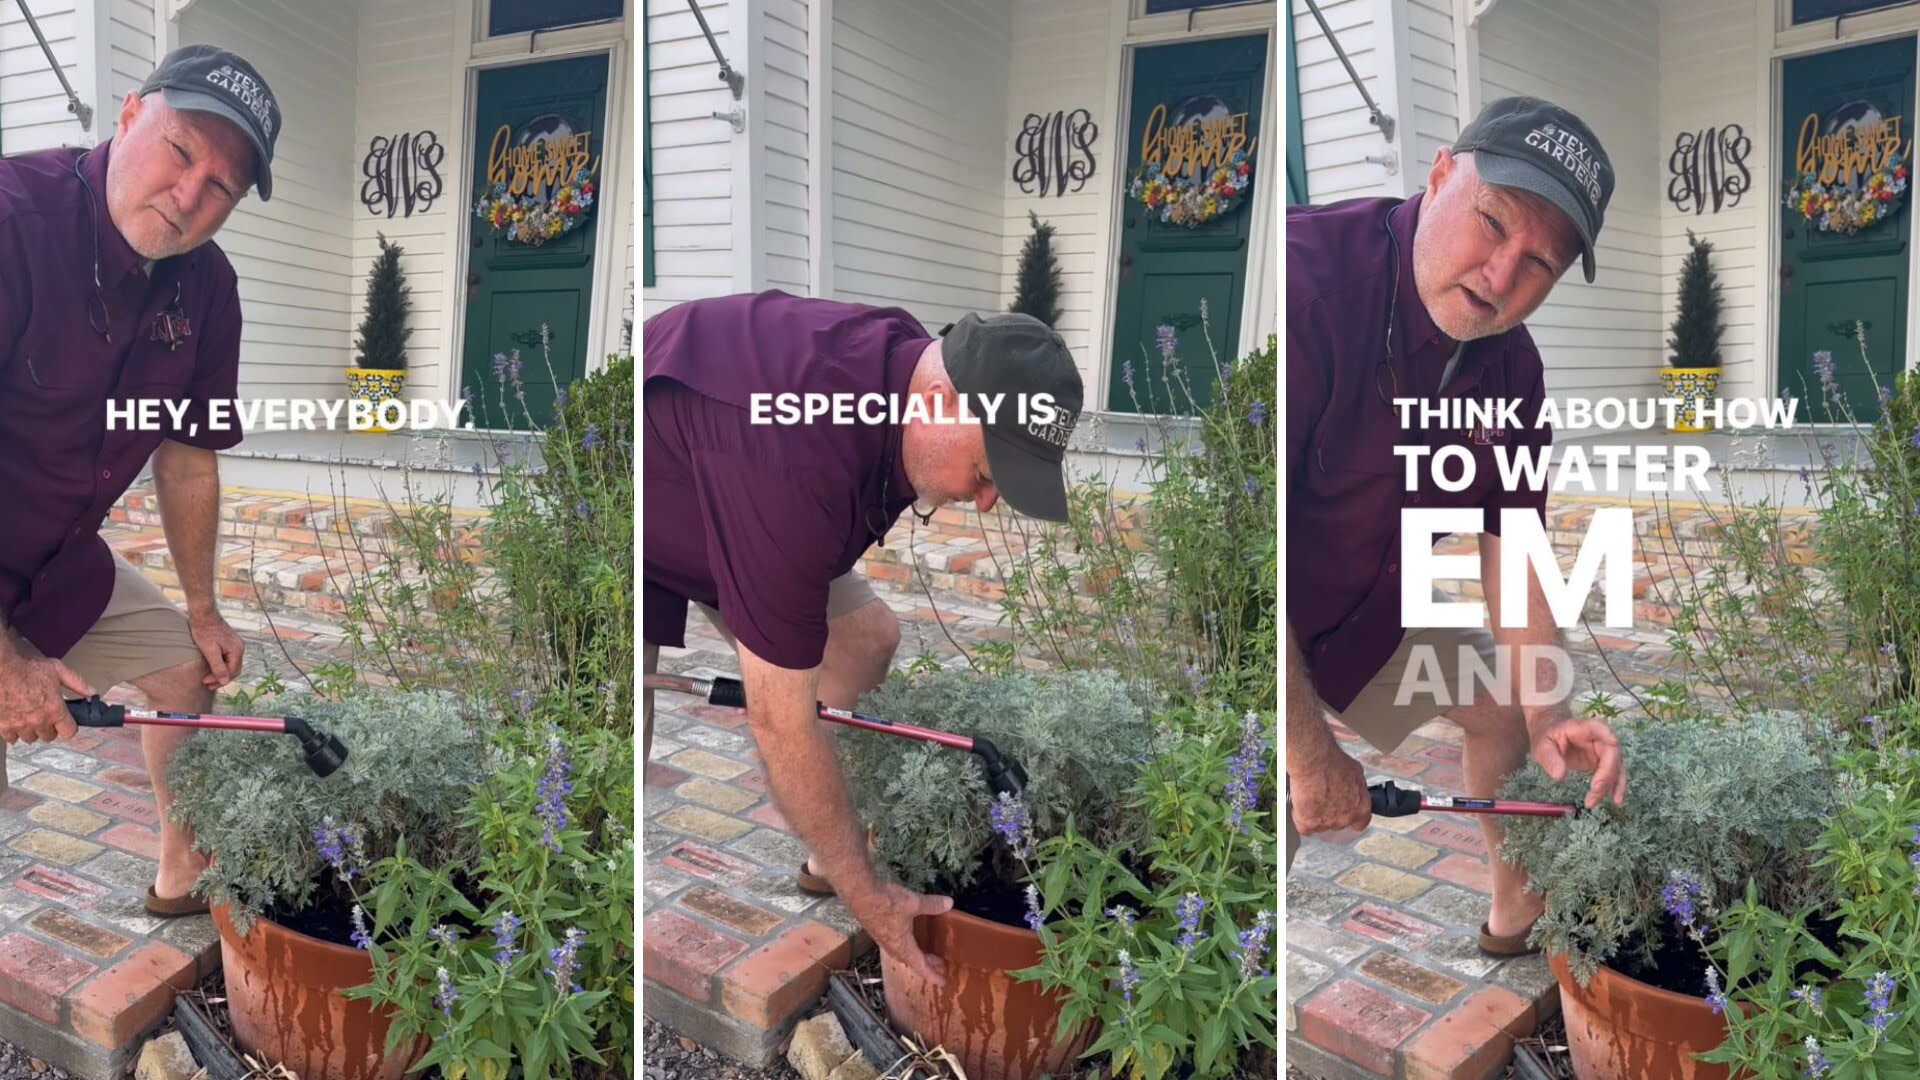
[[1172, 961], [381, 344], [1078, 735], [519, 958], [1844, 1001], [1725, 803], [253, 804]]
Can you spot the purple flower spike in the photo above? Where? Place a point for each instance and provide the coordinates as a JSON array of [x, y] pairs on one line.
[[1189, 911], [1880, 991], [1682, 892], [1010, 822], [504, 930], [561, 962]]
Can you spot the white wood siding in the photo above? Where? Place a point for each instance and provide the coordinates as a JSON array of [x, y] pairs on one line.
[[405, 48], [1060, 57], [1600, 60], [1434, 110], [783, 104], [33, 108], [1708, 59], [130, 49], [920, 103], [693, 154], [292, 254], [1336, 134]]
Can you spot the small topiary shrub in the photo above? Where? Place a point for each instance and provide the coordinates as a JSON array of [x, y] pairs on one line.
[[252, 804], [1078, 735], [1723, 804]]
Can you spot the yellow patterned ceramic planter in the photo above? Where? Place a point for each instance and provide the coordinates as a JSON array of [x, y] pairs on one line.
[[375, 386], [1692, 385]]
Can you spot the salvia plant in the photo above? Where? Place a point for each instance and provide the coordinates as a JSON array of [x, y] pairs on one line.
[[1167, 941], [1079, 735], [517, 958], [1828, 989], [1732, 804]]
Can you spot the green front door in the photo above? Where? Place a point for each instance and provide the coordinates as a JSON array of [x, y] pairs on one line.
[[1193, 106], [1843, 115], [536, 125]]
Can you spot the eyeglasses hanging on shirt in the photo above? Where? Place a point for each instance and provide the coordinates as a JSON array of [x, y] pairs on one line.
[[170, 325]]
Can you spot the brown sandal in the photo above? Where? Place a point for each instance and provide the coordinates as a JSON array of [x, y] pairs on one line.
[[175, 907], [1514, 944], [811, 883]]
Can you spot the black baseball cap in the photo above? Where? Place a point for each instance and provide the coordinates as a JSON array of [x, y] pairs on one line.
[[1018, 355], [209, 79], [1537, 146]]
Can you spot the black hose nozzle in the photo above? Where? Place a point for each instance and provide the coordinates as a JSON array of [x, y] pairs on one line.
[[325, 753], [1004, 775]]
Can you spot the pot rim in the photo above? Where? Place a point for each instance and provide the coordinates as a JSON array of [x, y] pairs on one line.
[[1563, 972], [223, 921]]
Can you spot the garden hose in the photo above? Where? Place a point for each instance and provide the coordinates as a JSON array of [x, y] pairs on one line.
[[324, 753], [1004, 775], [1392, 801]]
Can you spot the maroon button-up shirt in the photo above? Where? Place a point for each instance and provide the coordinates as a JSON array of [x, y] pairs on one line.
[[1345, 486], [758, 519], [61, 470]]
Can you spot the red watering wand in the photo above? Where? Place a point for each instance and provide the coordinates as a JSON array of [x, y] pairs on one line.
[[1004, 775], [324, 753], [1392, 801]]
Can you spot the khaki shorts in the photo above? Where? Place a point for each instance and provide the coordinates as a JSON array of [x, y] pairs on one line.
[[846, 594], [1378, 717], [139, 633]]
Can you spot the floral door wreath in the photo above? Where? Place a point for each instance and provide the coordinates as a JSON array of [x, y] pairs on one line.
[[534, 220], [1191, 200], [1829, 193], [1196, 161]]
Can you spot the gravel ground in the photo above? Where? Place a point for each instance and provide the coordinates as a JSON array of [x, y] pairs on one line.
[[16, 1065], [670, 1057]]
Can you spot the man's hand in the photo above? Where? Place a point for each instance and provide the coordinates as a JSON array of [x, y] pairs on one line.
[[221, 647], [887, 911], [31, 706], [1329, 793], [1584, 746]]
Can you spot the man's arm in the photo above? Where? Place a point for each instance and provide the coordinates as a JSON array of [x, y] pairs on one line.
[[811, 792], [1327, 788], [1560, 742], [187, 481]]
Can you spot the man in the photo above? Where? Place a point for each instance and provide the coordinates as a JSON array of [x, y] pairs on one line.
[[1425, 299], [115, 292], [761, 524]]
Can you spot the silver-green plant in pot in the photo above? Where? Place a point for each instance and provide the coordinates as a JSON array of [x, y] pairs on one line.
[[266, 819], [1079, 736], [1713, 807]]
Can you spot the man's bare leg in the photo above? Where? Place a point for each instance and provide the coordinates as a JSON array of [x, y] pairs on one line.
[[1494, 744], [176, 689]]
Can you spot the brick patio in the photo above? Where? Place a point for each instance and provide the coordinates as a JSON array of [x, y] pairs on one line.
[[85, 973], [1384, 974]]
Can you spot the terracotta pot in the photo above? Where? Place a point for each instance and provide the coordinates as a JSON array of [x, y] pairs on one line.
[[999, 1028], [1619, 1028], [283, 989]]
